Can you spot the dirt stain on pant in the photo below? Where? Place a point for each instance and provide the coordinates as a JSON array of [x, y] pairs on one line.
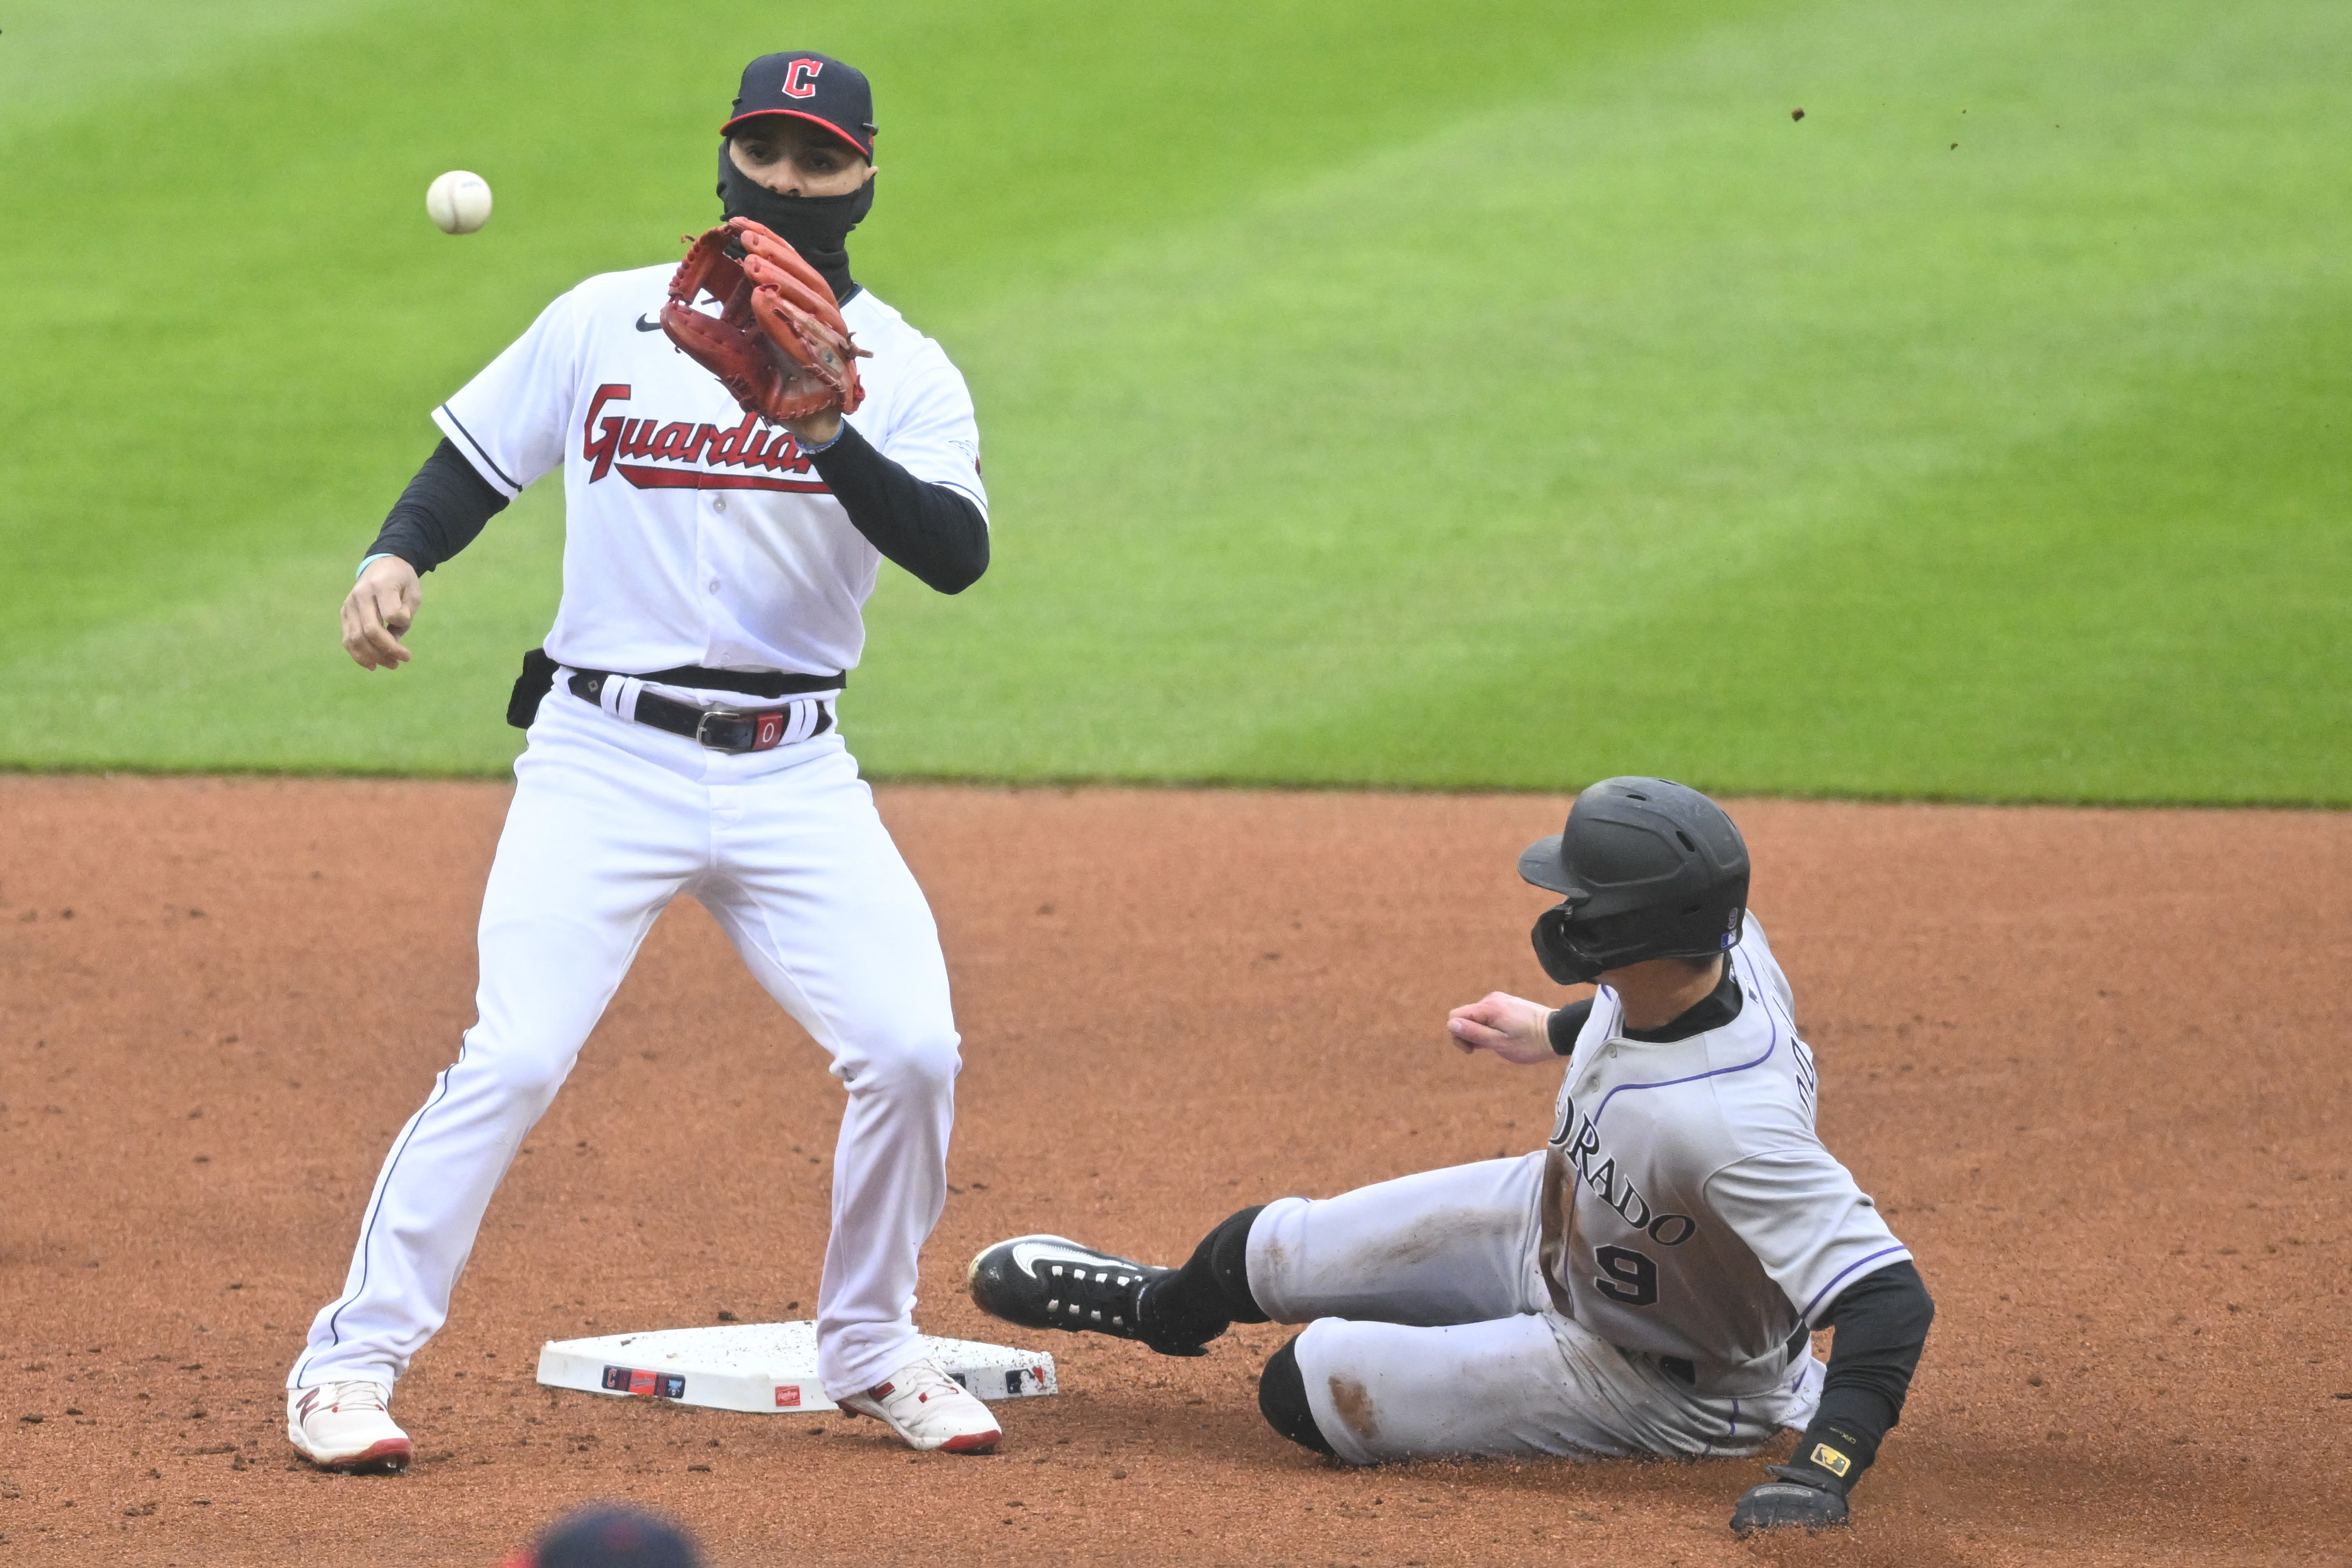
[[1353, 1403], [1433, 1235]]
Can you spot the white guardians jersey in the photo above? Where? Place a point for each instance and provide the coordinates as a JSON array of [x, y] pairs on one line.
[[1708, 1222], [696, 534]]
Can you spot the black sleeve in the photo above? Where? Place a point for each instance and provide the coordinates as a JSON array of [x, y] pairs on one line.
[[1566, 1024], [440, 513], [933, 531], [1882, 1326]]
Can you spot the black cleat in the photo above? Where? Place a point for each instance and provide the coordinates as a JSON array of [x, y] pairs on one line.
[[1052, 1282]]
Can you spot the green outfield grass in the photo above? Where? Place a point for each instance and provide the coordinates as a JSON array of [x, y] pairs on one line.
[[1495, 395]]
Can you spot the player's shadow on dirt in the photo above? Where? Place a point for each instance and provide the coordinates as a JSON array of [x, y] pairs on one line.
[[1140, 1422]]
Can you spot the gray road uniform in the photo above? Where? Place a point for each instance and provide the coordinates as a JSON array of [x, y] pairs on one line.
[[1643, 1285]]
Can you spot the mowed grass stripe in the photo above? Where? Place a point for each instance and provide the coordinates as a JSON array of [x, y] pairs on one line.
[[308, 316], [1535, 453], [212, 448], [60, 59], [1476, 453], [2168, 628], [258, 680]]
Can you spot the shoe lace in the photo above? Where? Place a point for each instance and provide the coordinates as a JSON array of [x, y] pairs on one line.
[[919, 1377], [360, 1396], [1105, 1298]]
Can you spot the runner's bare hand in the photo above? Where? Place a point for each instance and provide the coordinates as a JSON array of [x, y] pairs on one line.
[[1511, 1026]]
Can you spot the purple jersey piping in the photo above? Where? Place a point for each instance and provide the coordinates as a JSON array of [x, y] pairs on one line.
[[1748, 978], [1808, 1314]]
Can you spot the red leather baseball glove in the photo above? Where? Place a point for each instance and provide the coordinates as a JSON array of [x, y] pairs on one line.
[[779, 343]]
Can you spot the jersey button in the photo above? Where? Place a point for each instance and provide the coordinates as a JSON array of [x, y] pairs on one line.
[[714, 585], [718, 503]]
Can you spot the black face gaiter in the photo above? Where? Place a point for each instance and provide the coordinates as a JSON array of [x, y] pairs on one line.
[[817, 227]]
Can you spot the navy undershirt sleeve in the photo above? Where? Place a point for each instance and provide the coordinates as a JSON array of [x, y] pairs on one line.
[[933, 531], [440, 513], [1882, 1323], [1565, 1024]]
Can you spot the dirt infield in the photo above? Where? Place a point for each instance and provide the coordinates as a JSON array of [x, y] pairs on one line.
[[2092, 1065]]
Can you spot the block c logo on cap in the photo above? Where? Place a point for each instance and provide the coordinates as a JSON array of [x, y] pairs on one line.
[[800, 79]]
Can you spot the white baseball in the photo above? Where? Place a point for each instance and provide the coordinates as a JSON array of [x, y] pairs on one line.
[[458, 201]]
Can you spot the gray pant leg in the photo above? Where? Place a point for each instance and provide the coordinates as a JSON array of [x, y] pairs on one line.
[[1432, 1333], [1534, 1384], [1451, 1246]]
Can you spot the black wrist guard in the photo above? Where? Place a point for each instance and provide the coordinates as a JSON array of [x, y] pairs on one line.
[[1829, 1456]]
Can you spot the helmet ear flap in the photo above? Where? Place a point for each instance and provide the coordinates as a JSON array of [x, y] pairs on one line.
[[1557, 952]]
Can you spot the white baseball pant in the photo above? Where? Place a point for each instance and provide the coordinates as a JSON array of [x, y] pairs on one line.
[[1430, 1332], [609, 821]]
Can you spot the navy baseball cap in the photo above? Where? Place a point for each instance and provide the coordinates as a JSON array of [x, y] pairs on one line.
[[811, 87]]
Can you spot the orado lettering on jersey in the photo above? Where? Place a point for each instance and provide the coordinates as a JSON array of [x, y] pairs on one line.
[[1578, 1142], [654, 454]]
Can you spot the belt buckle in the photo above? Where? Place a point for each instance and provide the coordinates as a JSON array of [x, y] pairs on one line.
[[750, 737]]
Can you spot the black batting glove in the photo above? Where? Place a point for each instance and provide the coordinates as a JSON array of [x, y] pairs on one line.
[[1800, 1495]]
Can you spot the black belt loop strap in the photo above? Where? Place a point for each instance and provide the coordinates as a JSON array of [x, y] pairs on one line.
[[537, 675], [727, 730]]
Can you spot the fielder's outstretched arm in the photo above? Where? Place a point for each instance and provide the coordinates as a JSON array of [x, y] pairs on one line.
[[442, 511], [930, 530], [438, 515]]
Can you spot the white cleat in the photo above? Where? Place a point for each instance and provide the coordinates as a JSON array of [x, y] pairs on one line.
[[346, 1427], [929, 1410]]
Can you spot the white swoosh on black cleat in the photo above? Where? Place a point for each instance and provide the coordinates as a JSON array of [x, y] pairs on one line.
[[1027, 1255]]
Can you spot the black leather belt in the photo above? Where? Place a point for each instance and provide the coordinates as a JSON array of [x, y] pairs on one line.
[[768, 683], [728, 729], [1683, 1371]]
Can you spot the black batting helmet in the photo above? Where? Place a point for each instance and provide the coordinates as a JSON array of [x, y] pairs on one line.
[[1650, 869]]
